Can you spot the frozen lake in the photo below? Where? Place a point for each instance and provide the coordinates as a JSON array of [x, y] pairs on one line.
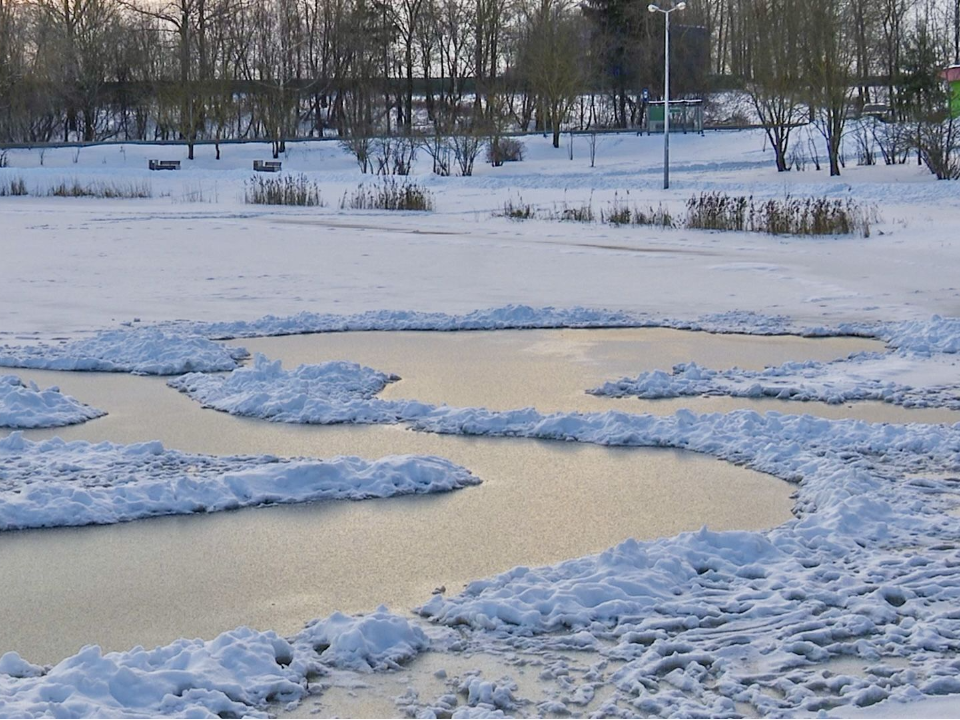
[[152, 581]]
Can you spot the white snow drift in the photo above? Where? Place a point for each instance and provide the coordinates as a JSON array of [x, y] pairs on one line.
[[54, 483], [936, 335], [234, 675], [902, 378], [27, 406], [144, 351], [324, 394], [509, 317]]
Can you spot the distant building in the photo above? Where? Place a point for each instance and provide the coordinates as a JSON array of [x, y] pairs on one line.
[[952, 77]]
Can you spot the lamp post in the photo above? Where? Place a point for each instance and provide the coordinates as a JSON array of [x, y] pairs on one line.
[[666, 86]]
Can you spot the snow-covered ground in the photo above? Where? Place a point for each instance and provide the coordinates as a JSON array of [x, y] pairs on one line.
[[704, 623], [218, 260]]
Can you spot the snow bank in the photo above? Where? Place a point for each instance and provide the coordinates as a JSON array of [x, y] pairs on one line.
[[144, 351], [27, 406], [509, 317], [902, 378], [378, 641], [324, 394], [178, 347], [54, 483], [234, 675], [938, 334]]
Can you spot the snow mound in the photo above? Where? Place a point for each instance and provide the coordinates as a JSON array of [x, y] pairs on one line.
[[144, 351], [503, 318], [902, 378], [27, 406], [324, 394], [227, 677], [378, 641], [54, 483], [516, 317], [938, 334], [235, 675]]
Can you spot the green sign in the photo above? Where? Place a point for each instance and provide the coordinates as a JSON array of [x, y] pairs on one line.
[[955, 99], [656, 112]]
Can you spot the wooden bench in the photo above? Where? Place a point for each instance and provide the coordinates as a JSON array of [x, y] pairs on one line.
[[164, 164], [267, 165]]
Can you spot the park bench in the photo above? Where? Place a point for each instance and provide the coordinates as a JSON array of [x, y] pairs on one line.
[[164, 164], [267, 165]]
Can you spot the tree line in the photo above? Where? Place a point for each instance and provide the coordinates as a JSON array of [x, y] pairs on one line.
[[93, 70]]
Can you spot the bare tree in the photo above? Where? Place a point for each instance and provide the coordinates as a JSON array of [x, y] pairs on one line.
[[554, 74], [828, 66], [776, 86]]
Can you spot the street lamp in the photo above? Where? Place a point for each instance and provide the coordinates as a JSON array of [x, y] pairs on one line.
[[666, 87]]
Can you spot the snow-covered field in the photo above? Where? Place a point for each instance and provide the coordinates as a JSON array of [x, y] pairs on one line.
[[77, 264], [705, 623]]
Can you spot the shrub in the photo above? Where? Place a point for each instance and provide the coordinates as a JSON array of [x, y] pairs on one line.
[[14, 187], [389, 195], [939, 146], [789, 216], [578, 213], [658, 216], [394, 154], [504, 150], [717, 211], [288, 190], [100, 189], [582, 213], [518, 210], [619, 213], [466, 148]]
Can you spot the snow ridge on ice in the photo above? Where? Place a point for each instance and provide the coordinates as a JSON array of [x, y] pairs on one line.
[[55, 483], [938, 334], [234, 675], [865, 376], [180, 347], [27, 406], [324, 394], [144, 351], [509, 317]]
